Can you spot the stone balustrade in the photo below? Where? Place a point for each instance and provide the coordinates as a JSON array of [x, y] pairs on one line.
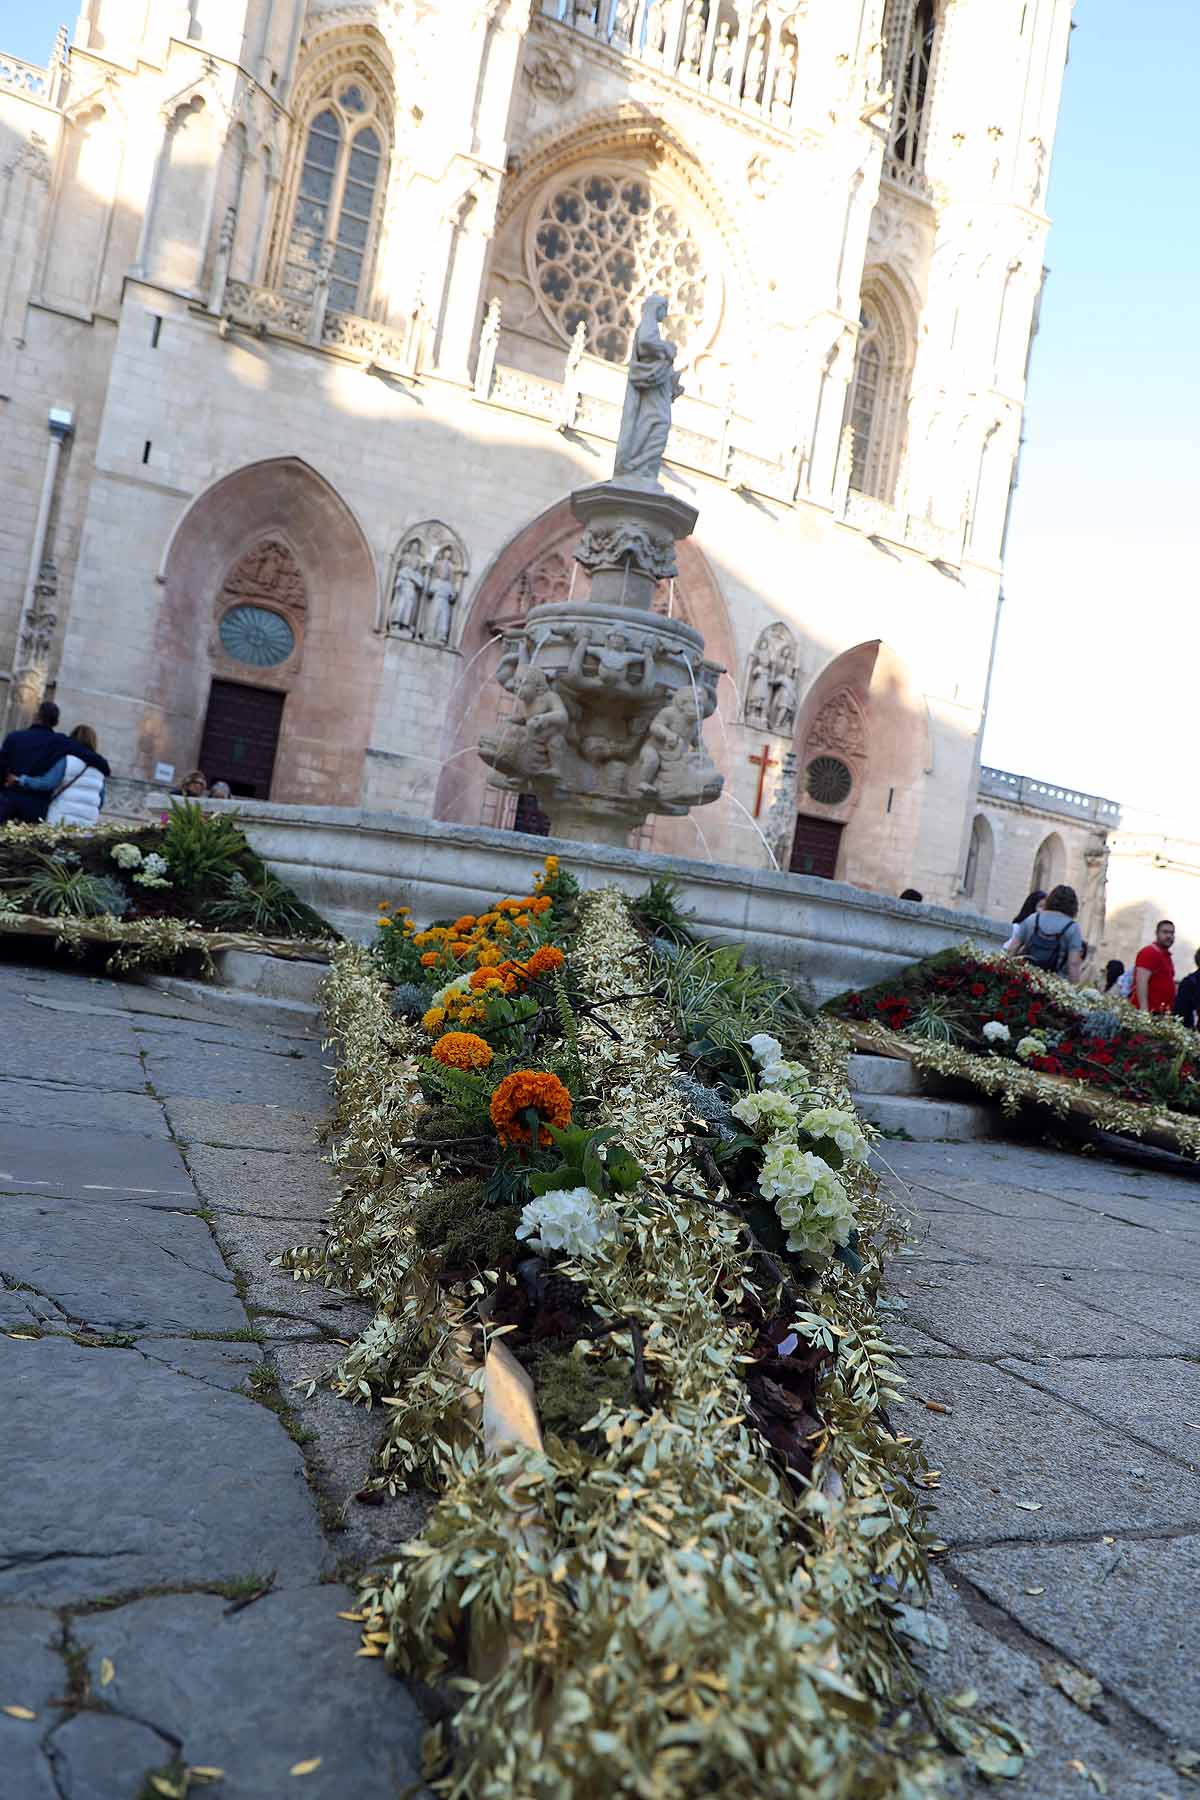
[[303, 319], [27, 78], [1024, 790]]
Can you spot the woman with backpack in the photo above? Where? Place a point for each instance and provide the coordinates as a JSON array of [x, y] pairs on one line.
[[1050, 937]]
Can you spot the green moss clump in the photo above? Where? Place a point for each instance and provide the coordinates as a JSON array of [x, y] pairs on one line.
[[437, 1123], [570, 1389], [457, 1220]]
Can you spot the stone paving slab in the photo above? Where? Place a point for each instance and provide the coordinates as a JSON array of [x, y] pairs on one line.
[[223, 1365], [231, 1690], [44, 1059], [32, 1674], [1093, 1606], [223, 1072], [1011, 1686], [1048, 1171], [150, 1032], [273, 1184], [1023, 1314], [152, 1003], [133, 1475], [250, 1243], [1004, 1441], [102, 1756], [81, 1109], [90, 1263], [77, 1162], [1088, 1244], [1157, 1402], [232, 1125]]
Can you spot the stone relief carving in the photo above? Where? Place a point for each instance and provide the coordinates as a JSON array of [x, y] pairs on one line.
[[551, 76], [427, 580], [772, 681], [762, 175], [267, 575], [603, 545], [839, 727]]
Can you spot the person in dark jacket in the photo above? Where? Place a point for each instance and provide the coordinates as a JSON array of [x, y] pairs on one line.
[[32, 752], [1187, 998]]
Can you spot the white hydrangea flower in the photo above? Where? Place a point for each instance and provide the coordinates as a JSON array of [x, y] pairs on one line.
[[839, 1127], [126, 856], [786, 1075], [788, 1172], [773, 1110], [996, 1032], [153, 872], [567, 1219], [1031, 1046], [765, 1049], [817, 1223]]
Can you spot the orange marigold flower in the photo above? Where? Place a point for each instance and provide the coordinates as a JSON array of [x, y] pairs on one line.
[[488, 956], [543, 960], [462, 1050], [463, 924], [552, 865], [523, 920], [460, 949], [428, 958], [384, 906], [542, 904], [433, 1018], [521, 1091]]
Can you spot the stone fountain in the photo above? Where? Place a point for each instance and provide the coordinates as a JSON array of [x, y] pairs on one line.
[[611, 697]]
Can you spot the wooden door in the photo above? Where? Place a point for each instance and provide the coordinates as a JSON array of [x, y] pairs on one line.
[[530, 817], [815, 847], [241, 735]]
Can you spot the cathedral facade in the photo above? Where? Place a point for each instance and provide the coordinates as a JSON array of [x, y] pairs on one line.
[[312, 317]]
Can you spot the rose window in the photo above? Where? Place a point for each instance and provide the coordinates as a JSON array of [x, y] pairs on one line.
[[254, 635], [600, 244], [828, 781]]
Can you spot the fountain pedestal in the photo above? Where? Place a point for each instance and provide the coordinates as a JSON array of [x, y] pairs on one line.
[[611, 697]]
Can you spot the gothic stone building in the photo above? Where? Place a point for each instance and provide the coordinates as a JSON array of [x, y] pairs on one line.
[[312, 316]]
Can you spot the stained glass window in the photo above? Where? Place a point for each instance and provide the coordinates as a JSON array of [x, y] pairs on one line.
[[255, 635], [828, 781], [337, 198]]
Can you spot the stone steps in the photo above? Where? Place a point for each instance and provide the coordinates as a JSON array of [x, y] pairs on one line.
[[888, 1092]]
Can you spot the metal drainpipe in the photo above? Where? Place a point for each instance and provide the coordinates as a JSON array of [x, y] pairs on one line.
[[61, 423]]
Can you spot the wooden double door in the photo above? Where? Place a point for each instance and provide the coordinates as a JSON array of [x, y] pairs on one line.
[[815, 847], [241, 737]]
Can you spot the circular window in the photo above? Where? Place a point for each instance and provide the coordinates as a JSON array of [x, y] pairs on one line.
[[828, 781], [254, 635], [600, 243]]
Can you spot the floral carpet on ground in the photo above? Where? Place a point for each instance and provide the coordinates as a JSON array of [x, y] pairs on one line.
[[565, 1126]]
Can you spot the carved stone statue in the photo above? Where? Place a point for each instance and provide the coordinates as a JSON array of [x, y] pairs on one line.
[[533, 741], [771, 682], [693, 37], [722, 62], [571, 379], [785, 75], [622, 29], [783, 704], [407, 588], [612, 663], [674, 766], [656, 26], [756, 68], [489, 339], [758, 695], [651, 387], [443, 594]]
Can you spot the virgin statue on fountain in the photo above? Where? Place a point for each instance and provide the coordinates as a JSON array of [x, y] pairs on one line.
[[651, 387]]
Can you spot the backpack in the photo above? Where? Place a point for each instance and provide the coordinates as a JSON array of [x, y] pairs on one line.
[[1048, 949]]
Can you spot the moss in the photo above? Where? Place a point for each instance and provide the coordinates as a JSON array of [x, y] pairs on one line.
[[458, 1220], [571, 1388]]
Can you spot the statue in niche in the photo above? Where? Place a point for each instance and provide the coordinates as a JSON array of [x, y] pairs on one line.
[[758, 695], [622, 29], [489, 340], [443, 596], [693, 37], [407, 588], [722, 62], [656, 26], [756, 68], [783, 703], [651, 387], [785, 75], [613, 663]]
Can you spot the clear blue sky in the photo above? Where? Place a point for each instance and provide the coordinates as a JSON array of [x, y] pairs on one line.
[[1097, 680]]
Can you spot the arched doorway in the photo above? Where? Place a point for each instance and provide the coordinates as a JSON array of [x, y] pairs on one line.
[[981, 850], [862, 747], [536, 568], [1050, 864], [265, 636]]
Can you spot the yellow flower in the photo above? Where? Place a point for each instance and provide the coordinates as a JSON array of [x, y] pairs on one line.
[[552, 865], [488, 957], [434, 1017], [522, 919], [384, 906], [503, 928]]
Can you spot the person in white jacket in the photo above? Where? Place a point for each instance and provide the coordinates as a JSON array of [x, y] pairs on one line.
[[77, 787]]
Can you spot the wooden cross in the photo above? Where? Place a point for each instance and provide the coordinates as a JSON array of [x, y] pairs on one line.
[[763, 761]]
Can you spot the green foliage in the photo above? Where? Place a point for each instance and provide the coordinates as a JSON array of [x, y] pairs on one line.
[[659, 909], [719, 1001], [469, 1094], [62, 888], [203, 849], [938, 1020], [591, 1159], [396, 956], [263, 904], [457, 1221], [571, 1388]]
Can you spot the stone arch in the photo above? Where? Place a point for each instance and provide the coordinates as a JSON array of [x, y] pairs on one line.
[[1050, 863], [877, 400], [980, 854], [864, 712], [535, 568], [330, 679]]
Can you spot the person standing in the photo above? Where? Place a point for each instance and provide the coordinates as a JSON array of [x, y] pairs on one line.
[[1049, 936], [75, 786], [32, 752], [1154, 972], [1187, 1000]]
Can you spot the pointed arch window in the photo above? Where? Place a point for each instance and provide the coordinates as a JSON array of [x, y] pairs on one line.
[[339, 189], [911, 31], [878, 398]]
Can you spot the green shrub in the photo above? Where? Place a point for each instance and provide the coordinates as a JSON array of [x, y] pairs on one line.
[[203, 849], [62, 888]]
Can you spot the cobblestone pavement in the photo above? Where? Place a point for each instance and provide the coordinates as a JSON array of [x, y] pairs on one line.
[[1049, 1308], [161, 1460]]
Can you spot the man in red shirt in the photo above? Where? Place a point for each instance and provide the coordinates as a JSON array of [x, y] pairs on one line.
[[1154, 972]]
